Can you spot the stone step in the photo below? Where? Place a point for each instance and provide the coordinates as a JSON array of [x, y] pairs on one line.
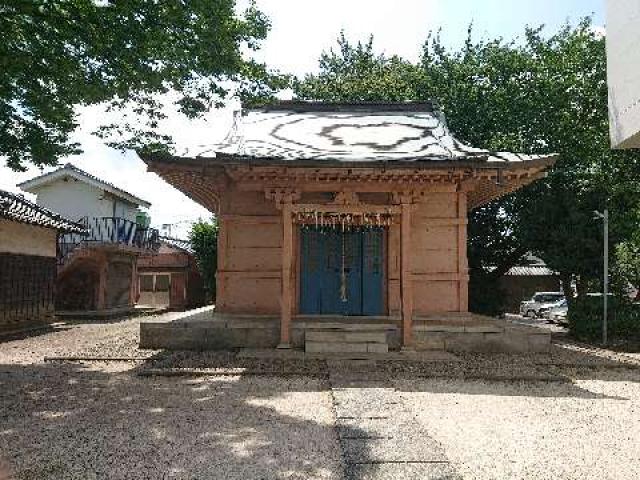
[[343, 326], [345, 347], [345, 336]]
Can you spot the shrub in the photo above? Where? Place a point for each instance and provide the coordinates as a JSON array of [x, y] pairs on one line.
[[585, 319]]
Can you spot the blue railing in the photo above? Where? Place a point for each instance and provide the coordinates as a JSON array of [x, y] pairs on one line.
[[109, 230]]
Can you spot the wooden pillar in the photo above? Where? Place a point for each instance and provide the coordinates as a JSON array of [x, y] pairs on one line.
[[463, 266], [221, 264], [406, 276], [286, 294]]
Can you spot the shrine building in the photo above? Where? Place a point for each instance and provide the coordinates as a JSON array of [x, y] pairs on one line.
[[343, 227]]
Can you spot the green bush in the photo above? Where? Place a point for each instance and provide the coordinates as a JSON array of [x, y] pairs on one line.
[[204, 242], [585, 319]]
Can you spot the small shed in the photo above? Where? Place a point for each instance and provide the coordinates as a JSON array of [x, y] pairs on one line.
[[169, 277], [28, 236], [523, 281]]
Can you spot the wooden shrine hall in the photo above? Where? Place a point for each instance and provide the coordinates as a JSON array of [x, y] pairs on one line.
[[343, 228]]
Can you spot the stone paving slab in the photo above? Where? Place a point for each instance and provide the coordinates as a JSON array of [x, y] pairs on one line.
[[365, 428], [392, 428], [392, 450], [379, 438], [403, 471]]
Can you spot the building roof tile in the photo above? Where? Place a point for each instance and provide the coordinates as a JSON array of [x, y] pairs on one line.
[[18, 209], [347, 132]]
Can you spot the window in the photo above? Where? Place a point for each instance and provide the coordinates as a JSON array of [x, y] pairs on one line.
[[162, 283], [146, 283]]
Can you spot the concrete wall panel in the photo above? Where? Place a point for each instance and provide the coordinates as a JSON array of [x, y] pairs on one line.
[[21, 238]]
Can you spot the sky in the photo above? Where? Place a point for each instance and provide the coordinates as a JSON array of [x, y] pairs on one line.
[[301, 31]]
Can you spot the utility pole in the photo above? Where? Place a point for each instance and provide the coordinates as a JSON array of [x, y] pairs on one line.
[[605, 280]]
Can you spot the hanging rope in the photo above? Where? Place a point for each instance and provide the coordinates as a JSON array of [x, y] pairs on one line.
[[343, 273]]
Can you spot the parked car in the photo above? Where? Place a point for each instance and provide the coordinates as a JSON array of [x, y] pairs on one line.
[[531, 308], [557, 312]]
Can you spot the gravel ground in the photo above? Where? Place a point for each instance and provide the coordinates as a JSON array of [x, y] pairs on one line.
[[109, 339], [61, 423], [588, 429], [247, 418]]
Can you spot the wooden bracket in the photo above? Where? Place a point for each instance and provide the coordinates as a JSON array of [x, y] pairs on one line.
[[282, 196], [346, 198], [407, 197]]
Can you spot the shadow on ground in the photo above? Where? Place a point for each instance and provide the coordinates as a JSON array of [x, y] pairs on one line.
[[69, 421], [244, 418]]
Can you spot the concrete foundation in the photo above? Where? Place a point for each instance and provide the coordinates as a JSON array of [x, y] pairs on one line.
[[456, 333]]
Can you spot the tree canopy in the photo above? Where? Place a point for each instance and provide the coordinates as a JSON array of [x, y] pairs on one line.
[[57, 55], [538, 95]]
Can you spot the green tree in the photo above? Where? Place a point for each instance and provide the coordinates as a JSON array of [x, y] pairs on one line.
[[627, 267], [204, 242], [541, 95], [356, 73], [57, 55]]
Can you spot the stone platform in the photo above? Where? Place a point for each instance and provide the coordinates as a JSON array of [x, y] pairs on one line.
[[207, 330]]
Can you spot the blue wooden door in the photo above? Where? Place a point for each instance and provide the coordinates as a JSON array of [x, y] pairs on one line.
[[341, 272]]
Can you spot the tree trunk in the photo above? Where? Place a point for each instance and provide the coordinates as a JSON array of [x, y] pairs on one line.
[[565, 278]]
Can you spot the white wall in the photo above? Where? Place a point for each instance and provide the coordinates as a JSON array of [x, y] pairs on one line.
[[623, 72], [26, 239], [75, 199]]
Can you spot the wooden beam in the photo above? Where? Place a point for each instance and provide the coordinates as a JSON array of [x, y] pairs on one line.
[[406, 277], [323, 208], [286, 294]]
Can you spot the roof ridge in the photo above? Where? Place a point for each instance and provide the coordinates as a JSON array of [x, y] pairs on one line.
[[322, 106]]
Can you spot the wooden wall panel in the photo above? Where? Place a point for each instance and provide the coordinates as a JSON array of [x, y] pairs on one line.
[[254, 259], [435, 296], [248, 294], [249, 203], [435, 261], [437, 205], [242, 234]]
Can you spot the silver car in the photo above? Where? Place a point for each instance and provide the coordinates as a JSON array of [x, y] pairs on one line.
[[540, 300], [558, 312]]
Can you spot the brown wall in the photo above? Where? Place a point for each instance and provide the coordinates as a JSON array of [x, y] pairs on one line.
[[97, 279], [119, 274], [27, 289], [187, 289], [249, 255], [250, 246]]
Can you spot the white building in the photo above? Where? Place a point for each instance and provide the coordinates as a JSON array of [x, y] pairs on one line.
[[77, 194], [623, 72], [96, 269]]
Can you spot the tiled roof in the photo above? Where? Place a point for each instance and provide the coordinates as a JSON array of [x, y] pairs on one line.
[[177, 243], [72, 170], [354, 132], [19, 209], [530, 271]]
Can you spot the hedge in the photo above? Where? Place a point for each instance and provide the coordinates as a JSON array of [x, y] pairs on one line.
[[585, 319]]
